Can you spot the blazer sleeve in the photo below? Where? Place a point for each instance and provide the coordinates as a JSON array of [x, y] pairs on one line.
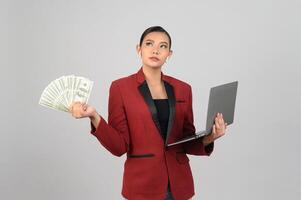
[[114, 134], [194, 147]]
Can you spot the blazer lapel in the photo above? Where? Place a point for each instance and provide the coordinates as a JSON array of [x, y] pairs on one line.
[[171, 101], [145, 92]]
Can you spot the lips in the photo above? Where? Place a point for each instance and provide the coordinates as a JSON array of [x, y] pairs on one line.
[[155, 59]]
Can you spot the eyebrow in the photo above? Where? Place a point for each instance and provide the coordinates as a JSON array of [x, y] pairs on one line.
[[153, 41]]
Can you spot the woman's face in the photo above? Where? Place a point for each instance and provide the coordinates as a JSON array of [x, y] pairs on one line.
[[154, 49]]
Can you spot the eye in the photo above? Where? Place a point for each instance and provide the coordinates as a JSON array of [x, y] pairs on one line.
[[148, 43], [163, 46]]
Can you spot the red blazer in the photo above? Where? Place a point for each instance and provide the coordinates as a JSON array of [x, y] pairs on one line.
[[133, 128]]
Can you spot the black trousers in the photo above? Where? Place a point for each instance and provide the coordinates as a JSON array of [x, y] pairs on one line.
[[168, 195]]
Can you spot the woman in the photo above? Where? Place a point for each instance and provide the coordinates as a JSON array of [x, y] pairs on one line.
[[148, 110]]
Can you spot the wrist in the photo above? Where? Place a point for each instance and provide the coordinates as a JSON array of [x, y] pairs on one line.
[[206, 141], [94, 115]]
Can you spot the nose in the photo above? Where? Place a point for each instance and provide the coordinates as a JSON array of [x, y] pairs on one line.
[[156, 51]]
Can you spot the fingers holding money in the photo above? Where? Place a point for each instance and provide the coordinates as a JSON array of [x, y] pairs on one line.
[[85, 106], [72, 105], [70, 109], [60, 93], [77, 109]]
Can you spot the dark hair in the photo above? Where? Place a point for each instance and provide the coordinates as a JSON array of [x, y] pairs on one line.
[[154, 29]]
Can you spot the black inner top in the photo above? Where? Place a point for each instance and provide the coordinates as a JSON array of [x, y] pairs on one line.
[[163, 115], [162, 106]]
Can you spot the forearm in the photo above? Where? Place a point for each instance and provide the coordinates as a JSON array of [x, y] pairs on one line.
[[95, 119], [114, 140], [206, 140], [197, 147]]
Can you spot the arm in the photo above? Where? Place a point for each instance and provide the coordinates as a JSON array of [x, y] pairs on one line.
[[194, 147], [95, 120], [114, 134]]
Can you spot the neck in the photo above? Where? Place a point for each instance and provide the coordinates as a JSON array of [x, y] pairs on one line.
[[152, 75]]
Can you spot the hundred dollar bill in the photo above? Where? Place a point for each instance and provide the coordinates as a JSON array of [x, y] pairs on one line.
[[65, 90]]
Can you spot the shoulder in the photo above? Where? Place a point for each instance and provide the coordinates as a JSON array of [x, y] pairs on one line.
[[131, 79], [178, 83], [123, 81]]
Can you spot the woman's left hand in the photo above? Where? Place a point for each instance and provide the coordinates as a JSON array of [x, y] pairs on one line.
[[218, 129]]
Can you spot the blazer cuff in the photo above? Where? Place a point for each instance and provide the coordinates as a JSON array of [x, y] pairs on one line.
[[94, 129], [209, 148]]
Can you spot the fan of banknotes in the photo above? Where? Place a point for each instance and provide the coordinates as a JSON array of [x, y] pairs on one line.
[[60, 93]]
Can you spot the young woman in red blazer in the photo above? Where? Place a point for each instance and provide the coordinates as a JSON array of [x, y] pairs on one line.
[[147, 110]]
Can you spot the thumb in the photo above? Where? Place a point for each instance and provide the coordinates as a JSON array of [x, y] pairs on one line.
[[70, 108], [214, 129], [85, 106]]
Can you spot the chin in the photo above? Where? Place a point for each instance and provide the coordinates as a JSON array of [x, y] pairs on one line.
[[154, 65]]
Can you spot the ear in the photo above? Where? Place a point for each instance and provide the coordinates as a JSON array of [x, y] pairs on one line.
[[170, 54], [138, 49]]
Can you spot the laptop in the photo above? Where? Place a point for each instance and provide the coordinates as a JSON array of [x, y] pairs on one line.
[[221, 100]]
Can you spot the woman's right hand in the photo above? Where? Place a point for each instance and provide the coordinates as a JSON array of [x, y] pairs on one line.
[[81, 110]]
